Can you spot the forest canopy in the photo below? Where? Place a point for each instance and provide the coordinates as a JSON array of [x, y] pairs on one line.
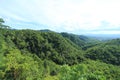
[[47, 55]]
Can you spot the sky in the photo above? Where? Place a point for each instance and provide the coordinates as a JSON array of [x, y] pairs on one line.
[[73, 16]]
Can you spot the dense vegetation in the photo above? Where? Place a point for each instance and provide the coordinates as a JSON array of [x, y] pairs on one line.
[[81, 41], [108, 52], [47, 55]]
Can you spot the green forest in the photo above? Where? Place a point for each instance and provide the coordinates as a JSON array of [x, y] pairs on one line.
[[48, 55]]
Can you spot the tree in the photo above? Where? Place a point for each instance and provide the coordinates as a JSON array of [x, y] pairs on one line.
[[20, 67], [2, 25], [1, 20]]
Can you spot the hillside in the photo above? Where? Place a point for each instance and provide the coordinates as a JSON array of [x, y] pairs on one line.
[[82, 41], [108, 52], [46, 45], [48, 55]]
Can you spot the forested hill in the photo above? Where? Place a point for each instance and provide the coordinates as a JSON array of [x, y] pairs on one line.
[[82, 41], [47, 55], [108, 52], [46, 45]]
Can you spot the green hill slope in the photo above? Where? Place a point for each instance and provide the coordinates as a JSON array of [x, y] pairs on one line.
[[47, 55], [108, 52], [46, 45]]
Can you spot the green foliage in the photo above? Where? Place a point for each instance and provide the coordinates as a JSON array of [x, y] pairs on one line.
[[46, 45], [47, 55], [19, 67], [79, 72], [107, 70], [74, 38], [1, 20], [80, 40], [108, 52], [1, 24], [90, 70]]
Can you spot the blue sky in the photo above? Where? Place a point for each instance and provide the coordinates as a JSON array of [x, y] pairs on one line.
[[74, 16]]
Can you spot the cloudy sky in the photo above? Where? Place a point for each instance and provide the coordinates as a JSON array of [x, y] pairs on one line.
[[74, 16]]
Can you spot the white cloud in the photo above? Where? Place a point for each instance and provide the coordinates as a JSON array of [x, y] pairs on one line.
[[70, 15]]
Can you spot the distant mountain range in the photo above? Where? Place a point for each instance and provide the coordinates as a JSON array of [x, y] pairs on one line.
[[104, 36]]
